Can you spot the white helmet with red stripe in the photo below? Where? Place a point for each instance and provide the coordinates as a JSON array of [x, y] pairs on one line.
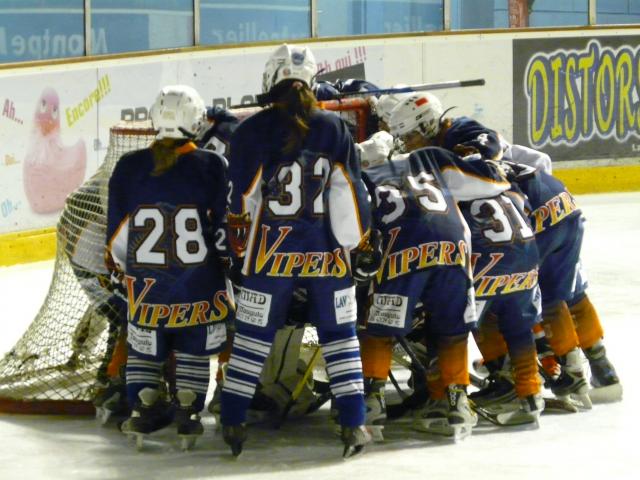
[[419, 112]]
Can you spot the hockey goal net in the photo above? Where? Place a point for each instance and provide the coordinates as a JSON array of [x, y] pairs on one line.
[[62, 358]]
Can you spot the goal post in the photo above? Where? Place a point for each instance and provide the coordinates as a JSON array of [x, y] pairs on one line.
[[61, 360]]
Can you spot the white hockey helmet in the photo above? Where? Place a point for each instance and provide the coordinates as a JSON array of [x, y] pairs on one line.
[[418, 112], [386, 103], [289, 62], [178, 112]]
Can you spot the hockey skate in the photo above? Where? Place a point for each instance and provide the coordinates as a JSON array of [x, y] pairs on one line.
[[111, 401], [604, 379], [572, 384], [499, 389], [187, 420], [526, 413], [150, 414], [354, 440], [376, 409], [235, 436], [432, 418], [460, 416]]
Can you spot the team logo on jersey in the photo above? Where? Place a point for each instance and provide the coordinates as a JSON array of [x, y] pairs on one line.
[[175, 315], [553, 211], [275, 263]]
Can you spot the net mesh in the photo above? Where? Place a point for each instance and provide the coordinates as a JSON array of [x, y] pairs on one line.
[[62, 358]]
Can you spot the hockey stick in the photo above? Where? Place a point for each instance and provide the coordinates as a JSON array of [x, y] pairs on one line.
[[264, 99], [423, 87], [299, 387]]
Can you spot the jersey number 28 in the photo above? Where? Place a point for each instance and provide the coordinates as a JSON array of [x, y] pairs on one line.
[[188, 246]]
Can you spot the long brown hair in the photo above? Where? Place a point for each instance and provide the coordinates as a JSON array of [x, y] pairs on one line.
[[166, 152], [294, 102]]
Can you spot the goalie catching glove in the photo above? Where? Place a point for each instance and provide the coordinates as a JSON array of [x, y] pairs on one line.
[[366, 258], [238, 226]]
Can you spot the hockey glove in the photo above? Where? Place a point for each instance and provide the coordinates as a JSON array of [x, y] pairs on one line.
[[366, 258], [238, 226]]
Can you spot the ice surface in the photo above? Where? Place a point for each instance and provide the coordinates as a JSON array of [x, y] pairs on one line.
[[596, 444]]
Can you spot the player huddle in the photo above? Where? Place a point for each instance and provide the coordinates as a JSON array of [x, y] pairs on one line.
[[439, 220]]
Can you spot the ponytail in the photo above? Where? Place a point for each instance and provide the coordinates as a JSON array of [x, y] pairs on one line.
[[166, 152], [294, 102]]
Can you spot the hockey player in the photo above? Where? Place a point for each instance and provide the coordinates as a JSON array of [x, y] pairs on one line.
[[558, 226], [298, 215], [504, 250], [165, 203], [465, 135]]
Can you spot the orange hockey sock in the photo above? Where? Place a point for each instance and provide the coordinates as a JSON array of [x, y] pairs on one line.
[[489, 339], [524, 364], [119, 357], [453, 360], [559, 328], [376, 356], [587, 322]]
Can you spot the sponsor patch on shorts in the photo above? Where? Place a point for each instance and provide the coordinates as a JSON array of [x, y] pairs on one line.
[[216, 335], [345, 305], [142, 340], [253, 307], [388, 310]]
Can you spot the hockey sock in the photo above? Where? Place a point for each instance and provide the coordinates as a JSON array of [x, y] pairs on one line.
[[453, 359], [342, 355], [522, 350], [192, 373], [376, 356], [559, 328], [249, 352], [119, 356], [587, 322], [435, 386], [223, 357], [545, 353], [489, 340], [141, 374]]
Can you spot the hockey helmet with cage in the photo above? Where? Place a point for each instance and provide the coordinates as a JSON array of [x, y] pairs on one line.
[[289, 62], [420, 112], [178, 112], [386, 103]]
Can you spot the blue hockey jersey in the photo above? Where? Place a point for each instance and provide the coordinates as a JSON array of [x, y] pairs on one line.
[[466, 132], [416, 210], [308, 208], [164, 232]]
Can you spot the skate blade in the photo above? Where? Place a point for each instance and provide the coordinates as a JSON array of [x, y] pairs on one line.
[[376, 432], [187, 442], [351, 451], [608, 394], [525, 420], [582, 401], [460, 432], [558, 405], [438, 427]]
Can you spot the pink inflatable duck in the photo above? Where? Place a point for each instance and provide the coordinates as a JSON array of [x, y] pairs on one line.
[[51, 170]]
